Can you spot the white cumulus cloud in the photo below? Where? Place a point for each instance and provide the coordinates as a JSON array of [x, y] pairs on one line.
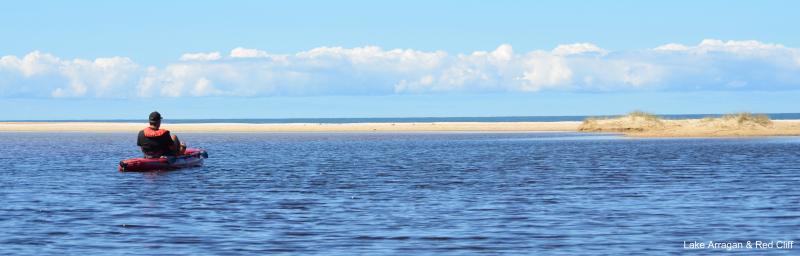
[[672, 47], [103, 76], [44, 75], [370, 70], [545, 70], [240, 52], [578, 48], [201, 56]]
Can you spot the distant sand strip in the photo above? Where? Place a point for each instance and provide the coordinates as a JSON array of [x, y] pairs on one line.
[[633, 125], [293, 127]]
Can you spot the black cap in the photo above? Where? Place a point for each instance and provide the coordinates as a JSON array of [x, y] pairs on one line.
[[155, 116]]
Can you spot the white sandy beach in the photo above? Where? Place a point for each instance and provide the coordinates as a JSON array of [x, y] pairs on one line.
[[291, 127], [629, 127]]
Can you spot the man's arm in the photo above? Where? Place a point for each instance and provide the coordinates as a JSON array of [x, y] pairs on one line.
[[140, 140]]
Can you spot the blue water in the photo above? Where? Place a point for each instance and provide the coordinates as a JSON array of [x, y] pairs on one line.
[[773, 116], [399, 194]]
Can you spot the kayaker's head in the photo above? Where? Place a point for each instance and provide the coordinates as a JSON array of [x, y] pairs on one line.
[[155, 119]]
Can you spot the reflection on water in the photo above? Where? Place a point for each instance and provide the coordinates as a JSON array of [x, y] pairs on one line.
[[397, 193]]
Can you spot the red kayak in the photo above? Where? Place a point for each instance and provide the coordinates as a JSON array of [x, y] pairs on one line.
[[191, 157]]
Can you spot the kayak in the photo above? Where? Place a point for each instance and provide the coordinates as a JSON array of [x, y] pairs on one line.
[[192, 157]]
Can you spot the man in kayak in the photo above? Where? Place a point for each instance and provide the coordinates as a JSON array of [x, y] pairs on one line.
[[156, 143]]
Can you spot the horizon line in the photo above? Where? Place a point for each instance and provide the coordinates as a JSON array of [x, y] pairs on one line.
[[387, 119]]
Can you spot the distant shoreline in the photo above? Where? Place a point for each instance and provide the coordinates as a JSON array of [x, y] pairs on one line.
[[294, 127], [349, 120], [680, 130]]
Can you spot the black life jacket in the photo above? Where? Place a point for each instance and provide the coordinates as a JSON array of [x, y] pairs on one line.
[[155, 143]]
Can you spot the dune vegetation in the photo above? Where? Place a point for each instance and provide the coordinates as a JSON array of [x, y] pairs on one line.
[[643, 124]]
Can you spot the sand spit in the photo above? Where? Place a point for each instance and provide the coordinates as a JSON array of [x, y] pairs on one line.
[[294, 127], [636, 124], [640, 124]]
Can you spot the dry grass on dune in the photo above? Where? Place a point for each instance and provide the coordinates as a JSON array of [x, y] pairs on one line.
[[636, 121], [747, 119], [648, 125]]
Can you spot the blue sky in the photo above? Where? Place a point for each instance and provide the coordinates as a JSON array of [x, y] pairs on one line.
[[236, 59]]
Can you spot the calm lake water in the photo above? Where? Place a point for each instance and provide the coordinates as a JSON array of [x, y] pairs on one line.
[[399, 193]]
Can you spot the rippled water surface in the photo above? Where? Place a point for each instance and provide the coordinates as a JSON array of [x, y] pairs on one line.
[[398, 193]]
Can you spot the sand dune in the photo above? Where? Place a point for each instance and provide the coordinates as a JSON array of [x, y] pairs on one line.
[[639, 124]]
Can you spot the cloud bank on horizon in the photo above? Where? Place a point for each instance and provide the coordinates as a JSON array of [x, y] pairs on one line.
[[711, 65]]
